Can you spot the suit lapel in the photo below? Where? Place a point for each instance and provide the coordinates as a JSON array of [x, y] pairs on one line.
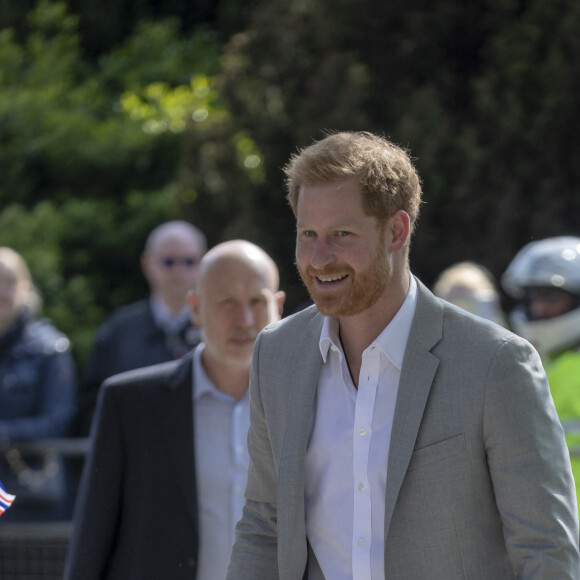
[[417, 373], [177, 413], [301, 388], [298, 393]]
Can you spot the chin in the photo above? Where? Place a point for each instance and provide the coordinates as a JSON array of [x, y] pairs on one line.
[[328, 306], [326, 309], [240, 360]]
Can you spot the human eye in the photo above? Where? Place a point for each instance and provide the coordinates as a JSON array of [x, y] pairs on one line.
[[258, 301], [307, 234], [343, 233]]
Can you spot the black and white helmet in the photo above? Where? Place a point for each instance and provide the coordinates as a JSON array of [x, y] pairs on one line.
[[553, 262], [550, 262]]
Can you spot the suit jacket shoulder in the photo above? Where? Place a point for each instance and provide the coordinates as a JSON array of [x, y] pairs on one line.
[[294, 332], [130, 313], [152, 376]]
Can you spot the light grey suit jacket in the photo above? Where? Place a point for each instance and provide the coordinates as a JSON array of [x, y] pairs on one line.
[[479, 482]]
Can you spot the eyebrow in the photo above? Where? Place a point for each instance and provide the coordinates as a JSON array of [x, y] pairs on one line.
[[336, 226]]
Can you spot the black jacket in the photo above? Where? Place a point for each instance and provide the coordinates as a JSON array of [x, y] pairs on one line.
[[136, 516], [128, 340]]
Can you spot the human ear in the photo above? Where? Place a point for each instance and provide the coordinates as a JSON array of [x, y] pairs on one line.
[[399, 228], [280, 298], [193, 302], [145, 262]]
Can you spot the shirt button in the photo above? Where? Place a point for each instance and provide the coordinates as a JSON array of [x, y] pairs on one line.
[[361, 487], [362, 431], [361, 542]]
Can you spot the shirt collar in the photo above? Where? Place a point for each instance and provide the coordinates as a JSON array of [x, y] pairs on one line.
[[202, 385], [329, 336], [165, 319], [393, 338]]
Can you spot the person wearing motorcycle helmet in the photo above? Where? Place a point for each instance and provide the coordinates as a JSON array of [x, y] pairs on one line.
[[544, 278]]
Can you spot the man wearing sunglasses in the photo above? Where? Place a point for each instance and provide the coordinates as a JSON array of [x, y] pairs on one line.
[[544, 278], [153, 330]]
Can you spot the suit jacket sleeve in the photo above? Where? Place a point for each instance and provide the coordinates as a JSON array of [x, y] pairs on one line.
[[531, 474], [97, 506], [255, 550]]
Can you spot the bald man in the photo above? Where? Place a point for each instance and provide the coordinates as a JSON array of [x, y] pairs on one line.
[[145, 508], [153, 330]]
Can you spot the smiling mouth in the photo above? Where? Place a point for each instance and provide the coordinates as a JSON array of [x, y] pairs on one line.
[[329, 279]]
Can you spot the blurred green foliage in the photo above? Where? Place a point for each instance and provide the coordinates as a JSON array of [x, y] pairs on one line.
[[85, 174], [112, 121], [485, 94]]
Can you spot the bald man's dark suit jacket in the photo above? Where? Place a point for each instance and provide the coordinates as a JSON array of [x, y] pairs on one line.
[[136, 516]]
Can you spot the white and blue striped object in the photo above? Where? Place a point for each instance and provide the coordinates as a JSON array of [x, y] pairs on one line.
[[5, 499]]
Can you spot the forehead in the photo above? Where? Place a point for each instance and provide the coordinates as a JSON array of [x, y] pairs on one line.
[[7, 271], [229, 275], [175, 243], [336, 201]]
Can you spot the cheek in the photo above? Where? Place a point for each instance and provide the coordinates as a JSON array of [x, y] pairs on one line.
[[303, 253], [8, 299], [210, 318], [262, 315], [214, 331]]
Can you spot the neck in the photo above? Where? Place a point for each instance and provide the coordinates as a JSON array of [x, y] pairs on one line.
[[174, 304], [229, 379]]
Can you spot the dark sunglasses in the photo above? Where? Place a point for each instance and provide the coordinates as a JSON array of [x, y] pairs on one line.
[[170, 262]]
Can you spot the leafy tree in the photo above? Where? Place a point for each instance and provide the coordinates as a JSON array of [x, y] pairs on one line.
[[89, 154], [105, 25], [483, 93], [98, 145]]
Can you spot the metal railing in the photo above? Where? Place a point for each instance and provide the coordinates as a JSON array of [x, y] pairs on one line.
[[64, 447], [36, 550]]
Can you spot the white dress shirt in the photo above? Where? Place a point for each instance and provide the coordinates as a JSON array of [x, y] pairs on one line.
[[221, 462], [348, 450]]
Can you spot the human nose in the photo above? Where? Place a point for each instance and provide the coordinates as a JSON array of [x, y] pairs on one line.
[[322, 253], [538, 309], [245, 316]]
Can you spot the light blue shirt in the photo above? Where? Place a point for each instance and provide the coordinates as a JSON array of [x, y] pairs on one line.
[[221, 460]]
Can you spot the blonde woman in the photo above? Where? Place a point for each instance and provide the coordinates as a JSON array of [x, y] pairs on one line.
[[37, 391]]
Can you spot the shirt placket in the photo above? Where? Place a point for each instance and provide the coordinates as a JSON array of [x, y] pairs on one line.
[[362, 436], [240, 462]]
